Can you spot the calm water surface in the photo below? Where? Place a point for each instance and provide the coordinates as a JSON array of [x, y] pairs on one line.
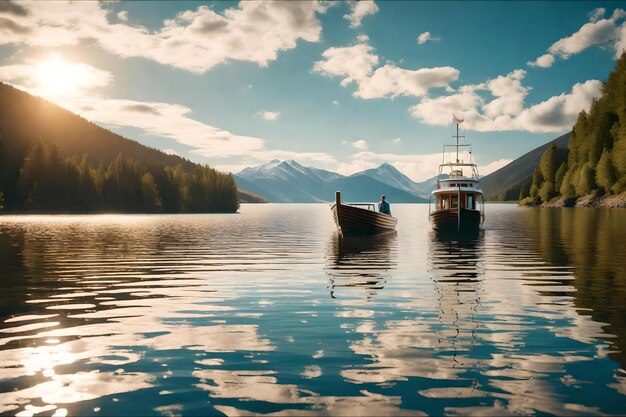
[[269, 311]]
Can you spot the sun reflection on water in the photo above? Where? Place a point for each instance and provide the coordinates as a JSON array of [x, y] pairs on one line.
[[154, 315]]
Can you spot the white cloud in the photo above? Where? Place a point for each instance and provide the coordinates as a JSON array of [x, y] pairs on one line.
[[397, 141], [618, 14], [418, 167], [165, 120], [509, 93], [544, 61], [505, 110], [425, 37], [559, 113], [269, 115], [360, 9], [355, 64], [598, 31], [493, 166], [335, 103], [194, 40], [596, 14], [438, 111], [392, 81], [360, 144], [592, 33], [620, 44], [123, 15]]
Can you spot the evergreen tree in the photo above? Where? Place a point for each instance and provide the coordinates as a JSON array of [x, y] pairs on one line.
[[619, 162], [586, 180], [597, 147], [151, 200], [559, 176], [43, 175], [546, 192], [605, 172], [548, 163], [567, 188], [524, 190], [536, 184]]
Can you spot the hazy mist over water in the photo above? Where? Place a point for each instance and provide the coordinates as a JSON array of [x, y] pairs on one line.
[[272, 311]]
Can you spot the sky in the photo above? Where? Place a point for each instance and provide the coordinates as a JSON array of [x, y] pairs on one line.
[[343, 86]]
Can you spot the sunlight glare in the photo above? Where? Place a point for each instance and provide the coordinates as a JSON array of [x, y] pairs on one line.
[[57, 77]]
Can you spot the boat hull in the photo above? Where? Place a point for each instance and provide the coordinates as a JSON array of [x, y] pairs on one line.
[[448, 220], [355, 220]]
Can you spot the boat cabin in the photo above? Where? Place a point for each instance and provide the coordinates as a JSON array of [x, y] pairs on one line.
[[455, 189]]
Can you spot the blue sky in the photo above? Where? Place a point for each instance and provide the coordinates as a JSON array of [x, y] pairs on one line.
[[343, 85]]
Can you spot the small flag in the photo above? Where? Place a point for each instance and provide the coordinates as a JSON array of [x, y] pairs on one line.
[[456, 119]]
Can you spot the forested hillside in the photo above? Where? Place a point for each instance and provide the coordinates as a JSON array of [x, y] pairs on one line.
[[505, 184], [54, 161], [596, 162]]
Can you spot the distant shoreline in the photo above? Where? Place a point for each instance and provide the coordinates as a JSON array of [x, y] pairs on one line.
[[588, 201]]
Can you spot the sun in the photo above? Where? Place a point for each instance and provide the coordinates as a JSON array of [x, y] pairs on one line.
[[57, 77]]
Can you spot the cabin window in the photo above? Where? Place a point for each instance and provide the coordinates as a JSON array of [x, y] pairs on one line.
[[444, 203], [470, 201], [455, 202]]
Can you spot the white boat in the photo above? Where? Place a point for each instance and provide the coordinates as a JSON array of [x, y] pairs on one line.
[[458, 200]]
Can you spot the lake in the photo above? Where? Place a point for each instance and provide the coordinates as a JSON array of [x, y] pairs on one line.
[[270, 311]]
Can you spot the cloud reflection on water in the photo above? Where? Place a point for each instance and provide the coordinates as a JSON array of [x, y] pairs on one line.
[[168, 317]]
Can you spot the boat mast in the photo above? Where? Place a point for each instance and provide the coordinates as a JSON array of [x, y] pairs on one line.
[[457, 121], [457, 143]]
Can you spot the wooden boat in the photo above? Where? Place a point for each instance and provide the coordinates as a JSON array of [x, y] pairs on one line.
[[459, 204], [361, 218]]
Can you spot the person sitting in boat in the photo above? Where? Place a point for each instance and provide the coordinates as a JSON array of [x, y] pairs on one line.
[[383, 206]]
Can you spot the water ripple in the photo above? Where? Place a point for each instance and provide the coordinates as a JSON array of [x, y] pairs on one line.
[[272, 312]]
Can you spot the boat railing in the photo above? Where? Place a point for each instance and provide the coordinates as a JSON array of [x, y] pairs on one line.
[[367, 206], [452, 166]]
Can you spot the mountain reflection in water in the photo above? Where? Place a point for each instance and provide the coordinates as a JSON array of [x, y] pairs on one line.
[[232, 314]]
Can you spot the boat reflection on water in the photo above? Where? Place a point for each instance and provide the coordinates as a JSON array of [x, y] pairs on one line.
[[456, 267], [360, 263]]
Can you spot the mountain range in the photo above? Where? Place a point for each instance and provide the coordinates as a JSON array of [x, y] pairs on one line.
[[290, 182], [276, 181]]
